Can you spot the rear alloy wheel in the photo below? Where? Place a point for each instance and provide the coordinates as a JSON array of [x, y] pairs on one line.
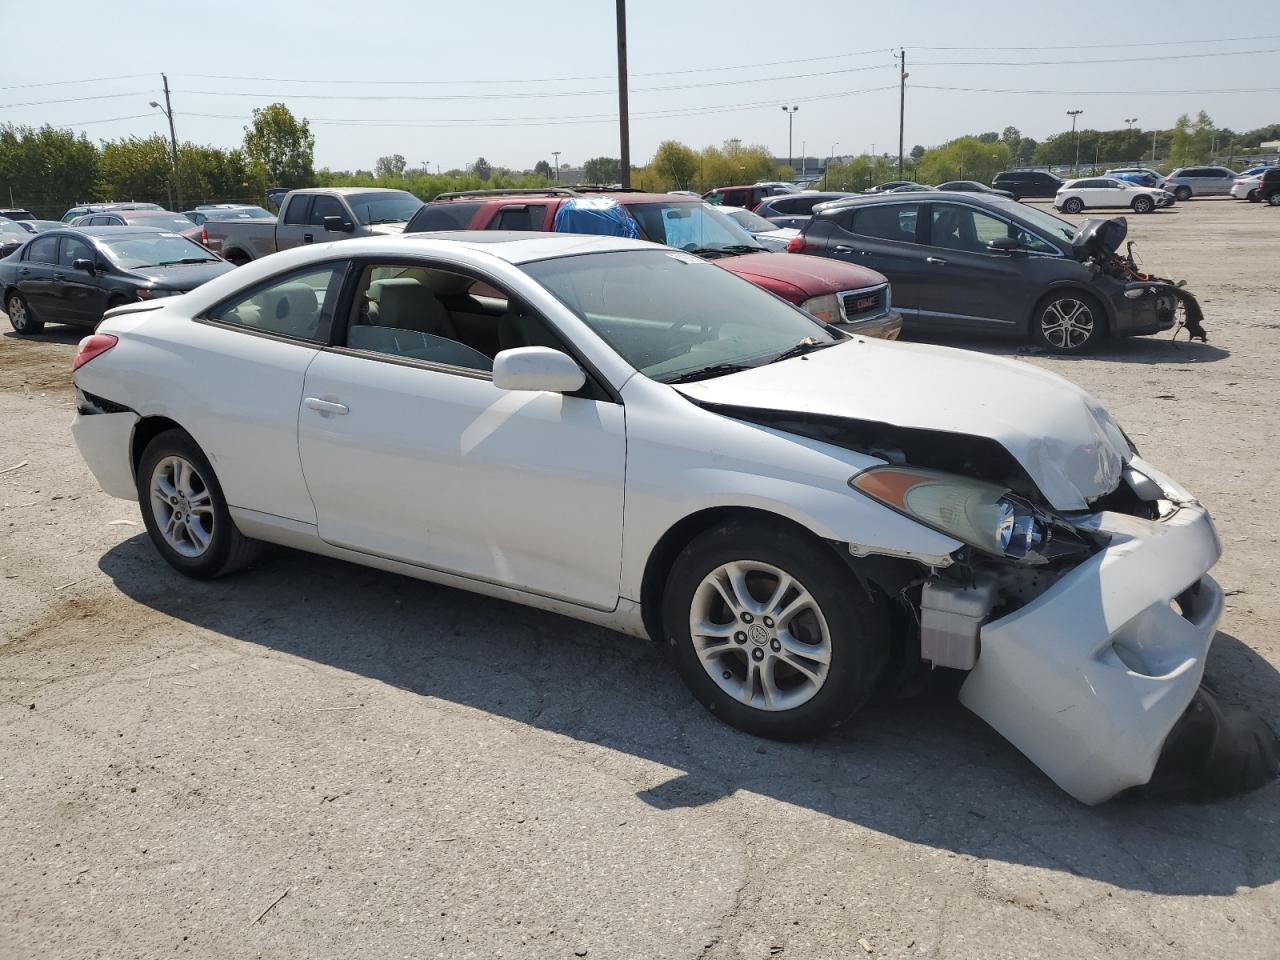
[[20, 317], [1067, 323], [1143, 205], [1182, 194], [1253, 196], [772, 632], [1274, 199], [185, 512], [1072, 205]]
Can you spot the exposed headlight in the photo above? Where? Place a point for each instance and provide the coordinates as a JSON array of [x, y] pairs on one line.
[[985, 516], [825, 308]]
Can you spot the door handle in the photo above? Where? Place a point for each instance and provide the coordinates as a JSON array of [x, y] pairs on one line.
[[843, 248], [58, 276], [326, 408], [935, 260], [307, 238]]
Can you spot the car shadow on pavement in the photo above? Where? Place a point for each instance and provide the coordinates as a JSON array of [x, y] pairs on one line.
[[54, 333], [1148, 350], [922, 769]]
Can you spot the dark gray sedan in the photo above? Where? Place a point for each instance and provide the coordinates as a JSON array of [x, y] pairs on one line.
[[75, 275], [972, 263]]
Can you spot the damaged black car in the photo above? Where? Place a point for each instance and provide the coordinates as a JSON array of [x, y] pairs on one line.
[[977, 264]]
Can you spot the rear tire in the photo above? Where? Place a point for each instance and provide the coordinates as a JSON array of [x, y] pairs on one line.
[[1143, 205], [799, 654], [185, 511], [1068, 322], [1072, 205], [21, 318], [1252, 196], [1274, 199], [1182, 194]]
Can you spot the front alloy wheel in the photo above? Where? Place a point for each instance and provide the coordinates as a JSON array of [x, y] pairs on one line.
[[1143, 205], [1274, 199], [771, 629], [1067, 323], [760, 635], [1072, 205], [182, 507]]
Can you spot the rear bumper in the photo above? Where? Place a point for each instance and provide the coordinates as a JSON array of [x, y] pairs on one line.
[[104, 440], [1089, 678], [887, 326]]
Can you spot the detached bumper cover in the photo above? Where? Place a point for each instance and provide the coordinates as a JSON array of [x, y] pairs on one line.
[[1089, 678], [104, 440]]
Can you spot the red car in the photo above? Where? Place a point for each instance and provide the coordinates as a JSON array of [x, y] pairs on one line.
[[165, 220], [748, 197], [849, 296]]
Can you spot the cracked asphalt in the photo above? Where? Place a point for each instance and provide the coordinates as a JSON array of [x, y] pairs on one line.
[[315, 759]]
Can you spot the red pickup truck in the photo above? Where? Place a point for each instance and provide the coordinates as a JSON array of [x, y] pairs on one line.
[[849, 296]]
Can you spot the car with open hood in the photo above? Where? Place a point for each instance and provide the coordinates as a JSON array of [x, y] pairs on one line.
[[624, 433], [971, 263], [74, 275]]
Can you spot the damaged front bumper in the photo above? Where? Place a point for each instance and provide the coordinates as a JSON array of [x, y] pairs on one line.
[[1089, 678]]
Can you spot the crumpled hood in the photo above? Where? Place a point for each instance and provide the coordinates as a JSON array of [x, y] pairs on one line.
[[1099, 238], [1062, 437]]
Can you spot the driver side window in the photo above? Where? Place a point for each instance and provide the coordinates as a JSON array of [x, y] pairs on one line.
[[300, 305]]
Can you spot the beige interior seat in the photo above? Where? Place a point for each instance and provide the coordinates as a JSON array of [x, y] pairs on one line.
[[404, 303]]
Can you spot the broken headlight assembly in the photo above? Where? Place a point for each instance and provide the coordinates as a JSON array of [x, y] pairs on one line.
[[986, 516]]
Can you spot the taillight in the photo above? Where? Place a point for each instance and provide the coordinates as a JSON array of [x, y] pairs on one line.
[[92, 346], [204, 237], [796, 244]]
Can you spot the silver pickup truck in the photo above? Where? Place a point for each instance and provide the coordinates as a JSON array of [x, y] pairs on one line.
[[314, 216]]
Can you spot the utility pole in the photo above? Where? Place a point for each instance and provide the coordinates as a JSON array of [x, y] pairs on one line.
[[902, 100], [803, 155], [791, 115], [1153, 146], [556, 171], [1128, 144], [624, 122], [827, 169], [1073, 114], [173, 138]]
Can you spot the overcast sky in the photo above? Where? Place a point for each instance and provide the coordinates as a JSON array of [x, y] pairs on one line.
[[513, 81]]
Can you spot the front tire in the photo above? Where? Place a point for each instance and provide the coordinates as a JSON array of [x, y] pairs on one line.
[[1252, 196], [185, 511], [771, 632], [20, 316], [1072, 205], [1274, 199], [1182, 194], [1143, 205], [1068, 323]]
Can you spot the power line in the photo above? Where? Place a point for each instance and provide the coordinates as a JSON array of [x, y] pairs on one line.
[[1077, 61], [86, 123], [104, 96], [1110, 46], [59, 83], [1099, 93]]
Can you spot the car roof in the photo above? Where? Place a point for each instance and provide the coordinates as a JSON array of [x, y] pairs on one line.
[[348, 191], [513, 246], [991, 200], [100, 232]]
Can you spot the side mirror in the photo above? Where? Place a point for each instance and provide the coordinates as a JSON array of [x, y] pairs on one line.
[[338, 225], [537, 368], [85, 264], [1004, 245]]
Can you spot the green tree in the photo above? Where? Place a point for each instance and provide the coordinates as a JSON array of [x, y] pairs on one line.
[[136, 168], [482, 169], [46, 170], [967, 158], [674, 166], [391, 167], [280, 149], [917, 152], [543, 169], [602, 170]]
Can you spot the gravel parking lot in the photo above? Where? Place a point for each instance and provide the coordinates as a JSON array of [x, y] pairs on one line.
[[315, 759]]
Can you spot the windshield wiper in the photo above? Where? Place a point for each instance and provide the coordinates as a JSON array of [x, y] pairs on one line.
[[708, 251], [388, 220], [174, 263], [807, 345], [704, 373], [743, 248]]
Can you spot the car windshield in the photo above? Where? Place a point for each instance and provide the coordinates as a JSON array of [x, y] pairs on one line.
[[751, 222], [1044, 221], [9, 228], [394, 206], [674, 316], [153, 250], [158, 221], [696, 227]]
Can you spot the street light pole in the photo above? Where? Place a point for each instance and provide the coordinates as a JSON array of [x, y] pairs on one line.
[[1130, 121], [624, 121], [902, 100], [791, 115], [167, 110], [827, 169], [1073, 114], [556, 171]]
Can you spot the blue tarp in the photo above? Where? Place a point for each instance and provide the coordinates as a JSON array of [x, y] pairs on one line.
[[600, 216]]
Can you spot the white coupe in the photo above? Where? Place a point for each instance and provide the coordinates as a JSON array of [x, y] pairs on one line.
[[1076, 195], [624, 433]]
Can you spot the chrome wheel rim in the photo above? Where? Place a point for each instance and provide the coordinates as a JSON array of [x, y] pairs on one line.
[[182, 507], [760, 635], [1074, 206], [1142, 205], [1067, 323], [17, 313]]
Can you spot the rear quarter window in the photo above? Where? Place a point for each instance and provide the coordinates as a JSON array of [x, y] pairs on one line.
[[443, 216]]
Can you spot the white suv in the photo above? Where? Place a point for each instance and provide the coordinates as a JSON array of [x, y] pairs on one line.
[[1075, 195]]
